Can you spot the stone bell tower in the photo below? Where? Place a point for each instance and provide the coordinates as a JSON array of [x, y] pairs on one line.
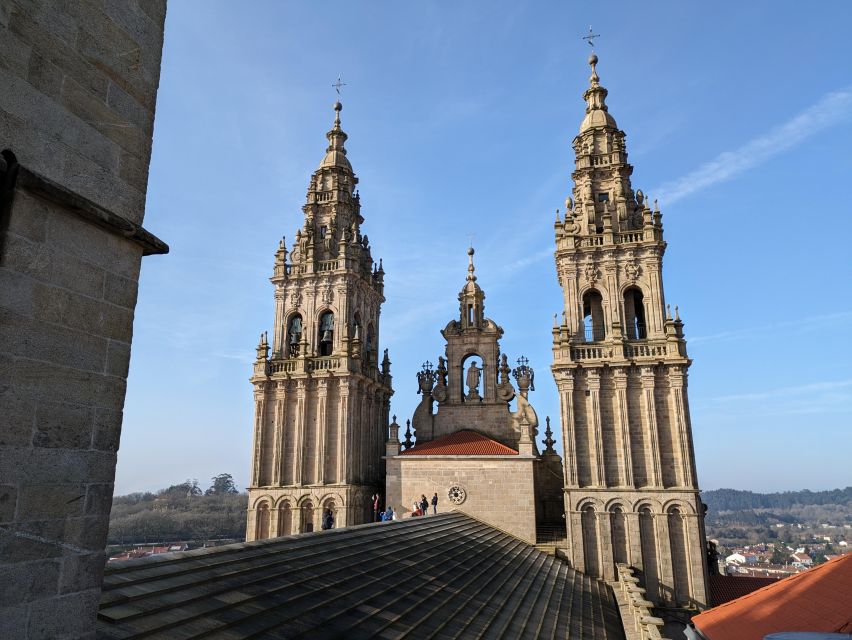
[[620, 365], [322, 396]]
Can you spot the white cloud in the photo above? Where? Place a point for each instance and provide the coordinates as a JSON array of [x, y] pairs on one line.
[[833, 108]]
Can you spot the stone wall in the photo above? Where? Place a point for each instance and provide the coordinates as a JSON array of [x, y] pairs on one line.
[[78, 87], [499, 489]]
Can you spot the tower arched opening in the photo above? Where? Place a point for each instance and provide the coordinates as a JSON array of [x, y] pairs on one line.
[[594, 327], [294, 335], [634, 314], [325, 334]]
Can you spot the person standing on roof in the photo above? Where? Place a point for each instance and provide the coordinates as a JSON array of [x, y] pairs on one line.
[[327, 520], [375, 507], [435, 504], [424, 505]]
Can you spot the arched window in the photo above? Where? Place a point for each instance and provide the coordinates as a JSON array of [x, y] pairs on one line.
[[648, 543], [634, 314], [680, 566], [262, 526], [618, 527], [593, 316], [285, 519], [590, 542], [308, 517], [326, 334], [294, 335]]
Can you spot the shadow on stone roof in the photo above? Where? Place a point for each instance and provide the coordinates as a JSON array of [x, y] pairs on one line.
[[444, 576]]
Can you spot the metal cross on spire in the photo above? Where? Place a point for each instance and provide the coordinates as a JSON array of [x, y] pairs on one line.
[[591, 37], [338, 84]]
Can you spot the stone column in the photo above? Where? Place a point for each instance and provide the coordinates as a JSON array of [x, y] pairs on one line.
[[279, 431], [259, 407], [322, 408], [593, 379], [664, 558], [680, 431], [299, 434], [566, 399], [656, 301], [623, 426], [634, 540], [343, 474], [649, 414], [279, 328], [605, 545]]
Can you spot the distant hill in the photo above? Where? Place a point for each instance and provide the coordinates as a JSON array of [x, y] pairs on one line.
[[180, 513], [720, 500]]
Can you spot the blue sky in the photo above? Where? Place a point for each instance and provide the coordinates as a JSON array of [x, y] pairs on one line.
[[460, 119]]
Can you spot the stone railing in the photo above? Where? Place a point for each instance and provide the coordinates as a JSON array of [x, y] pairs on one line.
[[327, 265], [646, 349], [324, 363], [629, 236], [632, 596], [282, 366], [591, 352]]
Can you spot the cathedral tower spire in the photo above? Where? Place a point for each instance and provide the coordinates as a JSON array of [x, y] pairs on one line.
[[322, 398], [620, 364]]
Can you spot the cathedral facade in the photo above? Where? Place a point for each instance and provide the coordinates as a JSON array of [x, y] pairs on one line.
[[620, 366], [321, 396], [627, 490]]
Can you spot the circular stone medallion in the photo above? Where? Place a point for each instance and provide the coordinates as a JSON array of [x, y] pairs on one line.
[[457, 494]]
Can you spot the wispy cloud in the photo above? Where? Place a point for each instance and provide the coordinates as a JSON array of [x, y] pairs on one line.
[[832, 109], [809, 389], [790, 327]]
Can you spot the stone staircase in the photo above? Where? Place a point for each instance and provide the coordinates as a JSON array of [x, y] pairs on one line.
[[447, 576]]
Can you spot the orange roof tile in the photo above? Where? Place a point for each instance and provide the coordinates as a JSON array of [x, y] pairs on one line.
[[726, 588], [461, 443], [815, 600]]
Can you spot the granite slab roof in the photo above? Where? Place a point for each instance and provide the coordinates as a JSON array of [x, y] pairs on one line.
[[444, 576], [461, 443]]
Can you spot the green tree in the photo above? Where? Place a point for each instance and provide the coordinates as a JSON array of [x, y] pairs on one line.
[[222, 484]]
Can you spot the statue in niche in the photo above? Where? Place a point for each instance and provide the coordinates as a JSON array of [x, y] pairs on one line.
[[472, 381]]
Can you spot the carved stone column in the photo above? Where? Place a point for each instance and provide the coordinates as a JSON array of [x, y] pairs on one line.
[[593, 379], [622, 421], [566, 399], [649, 418], [343, 474], [322, 409]]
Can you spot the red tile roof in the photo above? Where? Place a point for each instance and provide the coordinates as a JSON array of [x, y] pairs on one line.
[[815, 600], [461, 443], [726, 588]]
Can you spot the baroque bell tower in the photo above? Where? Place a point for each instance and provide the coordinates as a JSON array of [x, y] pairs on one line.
[[620, 365], [322, 396]]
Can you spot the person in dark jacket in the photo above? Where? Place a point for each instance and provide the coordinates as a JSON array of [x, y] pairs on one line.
[[435, 504], [327, 520], [424, 504]]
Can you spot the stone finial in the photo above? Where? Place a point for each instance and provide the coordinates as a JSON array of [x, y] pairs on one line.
[[262, 347], [425, 379], [668, 312], [386, 363], [393, 432], [677, 314], [525, 376], [407, 443], [471, 277], [548, 440]]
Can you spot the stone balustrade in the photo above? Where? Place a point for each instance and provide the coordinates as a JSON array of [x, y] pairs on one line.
[[645, 625]]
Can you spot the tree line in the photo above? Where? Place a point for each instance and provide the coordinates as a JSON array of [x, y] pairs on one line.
[[181, 512], [738, 500]]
